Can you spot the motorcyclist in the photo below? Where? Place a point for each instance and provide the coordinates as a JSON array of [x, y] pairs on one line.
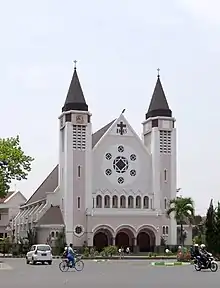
[[203, 254]]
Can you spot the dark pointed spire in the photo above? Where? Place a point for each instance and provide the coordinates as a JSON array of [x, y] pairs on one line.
[[158, 104], [75, 99]]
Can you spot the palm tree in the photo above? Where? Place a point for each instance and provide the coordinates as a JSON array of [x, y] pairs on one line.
[[183, 209]]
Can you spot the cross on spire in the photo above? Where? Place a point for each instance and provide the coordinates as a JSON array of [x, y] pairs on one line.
[[75, 61], [158, 72]]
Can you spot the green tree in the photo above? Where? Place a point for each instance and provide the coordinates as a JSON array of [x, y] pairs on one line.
[[14, 164], [210, 228], [183, 210]]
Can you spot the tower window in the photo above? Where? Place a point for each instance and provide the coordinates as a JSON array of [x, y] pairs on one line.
[[79, 171], [165, 175], [68, 117], [154, 123], [79, 137], [78, 202], [165, 203], [165, 142], [62, 140]]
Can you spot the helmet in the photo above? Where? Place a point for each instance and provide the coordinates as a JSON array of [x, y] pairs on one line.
[[196, 245], [202, 246]]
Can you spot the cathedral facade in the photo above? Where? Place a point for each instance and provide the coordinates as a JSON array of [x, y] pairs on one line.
[[110, 187]]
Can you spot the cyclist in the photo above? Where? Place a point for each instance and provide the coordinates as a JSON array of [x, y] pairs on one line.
[[70, 255]]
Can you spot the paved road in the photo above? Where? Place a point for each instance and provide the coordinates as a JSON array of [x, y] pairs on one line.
[[114, 274]]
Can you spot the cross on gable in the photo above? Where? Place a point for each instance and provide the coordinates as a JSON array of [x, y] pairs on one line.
[[121, 128]]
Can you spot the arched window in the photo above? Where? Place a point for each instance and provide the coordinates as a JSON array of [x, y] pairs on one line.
[[167, 230], [107, 201], [99, 201], [57, 234], [146, 202], [130, 202], [165, 203], [122, 202], [165, 175], [115, 201], [164, 230], [52, 234], [138, 202]]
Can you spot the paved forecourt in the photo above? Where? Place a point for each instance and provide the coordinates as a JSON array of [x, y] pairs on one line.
[[108, 274]]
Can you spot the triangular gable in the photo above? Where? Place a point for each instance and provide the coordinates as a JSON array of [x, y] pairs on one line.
[[121, 127], [13, 195]]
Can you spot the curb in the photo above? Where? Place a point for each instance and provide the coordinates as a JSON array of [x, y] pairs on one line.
[[170, 263]]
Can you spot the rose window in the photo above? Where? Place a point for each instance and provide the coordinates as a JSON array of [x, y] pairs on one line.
[[120, 164], [133, 172], [120, 149], [78, 230], [133, 157], [120, 180], [108, 156], [108, 172]]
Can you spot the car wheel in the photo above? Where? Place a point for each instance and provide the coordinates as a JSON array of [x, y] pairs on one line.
[[49, 262], [27, 261]]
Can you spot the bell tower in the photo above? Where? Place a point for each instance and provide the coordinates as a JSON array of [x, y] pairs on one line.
[[160, 138], [75, 162]]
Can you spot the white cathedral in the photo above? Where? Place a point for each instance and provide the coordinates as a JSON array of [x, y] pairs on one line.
[[110, 187]]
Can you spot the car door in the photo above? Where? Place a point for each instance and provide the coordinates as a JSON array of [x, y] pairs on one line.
[[31, 252]]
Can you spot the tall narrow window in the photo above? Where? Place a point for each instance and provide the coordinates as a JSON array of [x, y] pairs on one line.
[[79, 171], [93, 203], [62, 140], [165, 203], [78, 202], [165, 175]]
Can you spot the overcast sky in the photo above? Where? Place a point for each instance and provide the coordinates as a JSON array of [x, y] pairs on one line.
[[119, 45]]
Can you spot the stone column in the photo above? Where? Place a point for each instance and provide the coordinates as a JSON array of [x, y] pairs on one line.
[[113, 241]]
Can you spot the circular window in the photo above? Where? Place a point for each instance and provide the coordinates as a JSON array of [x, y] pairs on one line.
[[79, 230], [120, 164], [108, 156], [133, 157], [121, 149], [108, 172], [133, 172], [120, 180]]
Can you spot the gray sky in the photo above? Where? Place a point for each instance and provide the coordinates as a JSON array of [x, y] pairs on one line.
[[119, 45]]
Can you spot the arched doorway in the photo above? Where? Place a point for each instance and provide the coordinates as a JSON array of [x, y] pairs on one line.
[[146, 240], [124, 238], [102, 238]]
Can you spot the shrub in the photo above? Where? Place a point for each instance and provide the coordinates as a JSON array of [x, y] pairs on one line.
[[110, 250], [86, 252]]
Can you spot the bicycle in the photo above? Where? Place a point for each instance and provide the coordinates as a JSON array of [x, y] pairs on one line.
[[64, 265]]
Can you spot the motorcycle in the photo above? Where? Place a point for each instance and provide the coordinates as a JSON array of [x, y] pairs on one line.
[[210, 263]]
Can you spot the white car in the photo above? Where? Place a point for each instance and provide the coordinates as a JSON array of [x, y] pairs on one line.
[[39, 253]]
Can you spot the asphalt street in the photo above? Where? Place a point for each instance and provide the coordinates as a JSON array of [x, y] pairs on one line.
[[115, 274]]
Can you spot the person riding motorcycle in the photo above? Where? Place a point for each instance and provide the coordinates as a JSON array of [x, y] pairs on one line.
[[203, 254], [194, 251]]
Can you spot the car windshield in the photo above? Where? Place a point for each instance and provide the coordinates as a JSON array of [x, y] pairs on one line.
[[43, 248]]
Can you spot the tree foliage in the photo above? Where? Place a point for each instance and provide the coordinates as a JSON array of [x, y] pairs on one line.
[[210, 227], [183, 210], [14, 164]]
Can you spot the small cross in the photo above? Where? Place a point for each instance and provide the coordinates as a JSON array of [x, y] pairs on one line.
[[121, 127], [75, 64], [158, 72]]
